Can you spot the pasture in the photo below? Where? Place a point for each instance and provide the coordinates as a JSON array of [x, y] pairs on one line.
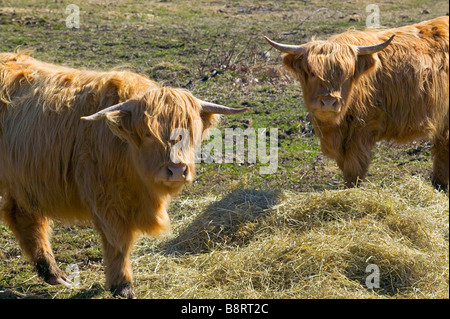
[[237, 233]]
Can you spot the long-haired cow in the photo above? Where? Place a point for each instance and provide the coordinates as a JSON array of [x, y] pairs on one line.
[[361, 87], [91, 146]]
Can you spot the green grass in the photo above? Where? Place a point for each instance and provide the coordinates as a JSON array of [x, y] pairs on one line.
[[311, 238]]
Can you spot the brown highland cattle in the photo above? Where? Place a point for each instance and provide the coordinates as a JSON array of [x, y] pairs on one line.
[[361, 87], [112, 168]]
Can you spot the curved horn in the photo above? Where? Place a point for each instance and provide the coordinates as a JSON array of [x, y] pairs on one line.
[[286, 48], [369, 49], [124, 106], [208, 107]]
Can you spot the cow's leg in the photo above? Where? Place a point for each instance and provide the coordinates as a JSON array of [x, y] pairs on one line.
[[117, 243], [440, 153], [354, 170], [32, 233], [354, 162]]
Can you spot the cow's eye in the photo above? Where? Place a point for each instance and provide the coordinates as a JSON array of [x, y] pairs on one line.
[[312, 74]]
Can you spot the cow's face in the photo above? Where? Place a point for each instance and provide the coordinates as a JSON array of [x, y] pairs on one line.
[[328, 72], [163, 129], [165, 154]]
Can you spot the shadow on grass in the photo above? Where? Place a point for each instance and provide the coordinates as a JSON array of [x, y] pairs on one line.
[[10, 293], [92, 292], [231, 221], [14, 293]]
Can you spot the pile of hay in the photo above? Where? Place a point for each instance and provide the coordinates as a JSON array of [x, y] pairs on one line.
[[264, 244]]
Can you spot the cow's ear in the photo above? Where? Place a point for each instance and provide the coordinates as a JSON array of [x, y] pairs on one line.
[[119, 118], [364, 63], [292, 62], [209, 120], [120, 123]]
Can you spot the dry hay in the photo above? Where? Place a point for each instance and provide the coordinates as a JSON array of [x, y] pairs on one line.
[[269, 244]]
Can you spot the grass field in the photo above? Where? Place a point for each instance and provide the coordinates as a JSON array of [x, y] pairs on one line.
[[237, 233]]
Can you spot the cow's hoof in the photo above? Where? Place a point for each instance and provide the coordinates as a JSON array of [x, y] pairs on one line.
[[439, 185], [56, 280], [124, 291]]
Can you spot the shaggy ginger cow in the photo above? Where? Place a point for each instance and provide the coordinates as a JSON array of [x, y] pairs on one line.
[[113, 167], [363, 87]]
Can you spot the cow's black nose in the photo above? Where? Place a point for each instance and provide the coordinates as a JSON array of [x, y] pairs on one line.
[[329, 103], [177, 172]]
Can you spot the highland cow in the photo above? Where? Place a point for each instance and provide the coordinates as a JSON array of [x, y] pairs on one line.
[[361, 87], [88, 146]]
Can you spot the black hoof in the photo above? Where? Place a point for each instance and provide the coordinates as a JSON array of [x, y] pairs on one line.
[[440, 186], [51, 274], [124, 291]]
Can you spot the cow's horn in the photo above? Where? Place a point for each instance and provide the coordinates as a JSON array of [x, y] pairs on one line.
[[208, 107], [286, 48], [124, 106], [369, 49]]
